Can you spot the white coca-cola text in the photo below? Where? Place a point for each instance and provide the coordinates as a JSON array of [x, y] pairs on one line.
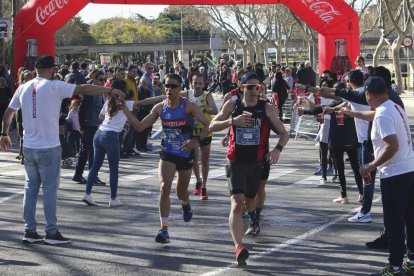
[[44, 14], [323, 9]]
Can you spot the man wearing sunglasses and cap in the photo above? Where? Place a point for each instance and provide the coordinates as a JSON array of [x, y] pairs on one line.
[[250, 120], [39, 100]]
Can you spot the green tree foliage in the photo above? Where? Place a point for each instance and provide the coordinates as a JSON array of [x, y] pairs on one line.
[[195, 22], [74, 32], [124, 30]]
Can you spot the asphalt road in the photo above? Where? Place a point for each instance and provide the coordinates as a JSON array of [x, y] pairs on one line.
[[303, 232]]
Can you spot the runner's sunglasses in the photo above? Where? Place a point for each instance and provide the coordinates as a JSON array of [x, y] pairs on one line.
[[252, 86]]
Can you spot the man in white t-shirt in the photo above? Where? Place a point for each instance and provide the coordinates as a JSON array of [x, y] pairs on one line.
[[394, 159], [40, 100]]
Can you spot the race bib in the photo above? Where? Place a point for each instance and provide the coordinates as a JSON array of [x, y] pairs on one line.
[[173, 137], [248, 136]]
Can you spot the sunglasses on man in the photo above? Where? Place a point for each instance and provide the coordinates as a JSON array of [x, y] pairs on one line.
[[252, 86]]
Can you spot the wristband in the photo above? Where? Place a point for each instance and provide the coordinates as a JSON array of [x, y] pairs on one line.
[[4, 134], [279, 147]]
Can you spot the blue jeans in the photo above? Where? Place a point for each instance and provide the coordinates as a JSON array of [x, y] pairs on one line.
[[105, 142], [42, 168], [366, 157]]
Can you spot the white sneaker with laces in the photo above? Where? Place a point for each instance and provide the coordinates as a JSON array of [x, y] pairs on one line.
[[360, 217], [89, 200], [323, 181], [115, 202]]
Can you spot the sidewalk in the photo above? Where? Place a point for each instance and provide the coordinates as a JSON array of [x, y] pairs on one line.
[[408, 99]]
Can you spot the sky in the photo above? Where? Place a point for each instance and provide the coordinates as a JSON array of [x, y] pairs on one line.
[[92, 13]]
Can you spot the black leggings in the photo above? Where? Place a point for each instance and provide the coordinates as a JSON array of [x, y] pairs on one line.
[[338, 155], [324, 158]]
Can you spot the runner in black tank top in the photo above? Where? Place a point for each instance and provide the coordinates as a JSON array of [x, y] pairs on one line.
[[249, 119]]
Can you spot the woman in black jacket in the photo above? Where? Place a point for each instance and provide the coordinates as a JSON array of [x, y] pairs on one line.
[[342, 138], [280, 88]]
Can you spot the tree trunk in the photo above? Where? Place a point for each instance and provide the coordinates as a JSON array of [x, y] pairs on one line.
[[265, 56], [286, 52], [245, 53], [395, 48], [378, 48], [311, 52]]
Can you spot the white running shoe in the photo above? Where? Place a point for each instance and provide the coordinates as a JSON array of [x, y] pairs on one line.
[[115, 202], [323, 181], [360, 217], [89, 200]]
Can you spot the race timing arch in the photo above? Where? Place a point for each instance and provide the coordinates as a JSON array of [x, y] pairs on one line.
[[334, 20]]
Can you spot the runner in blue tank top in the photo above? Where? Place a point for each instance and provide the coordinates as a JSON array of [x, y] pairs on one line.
[[177, 153]]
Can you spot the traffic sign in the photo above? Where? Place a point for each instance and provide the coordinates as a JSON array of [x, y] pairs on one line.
[[408, 41]]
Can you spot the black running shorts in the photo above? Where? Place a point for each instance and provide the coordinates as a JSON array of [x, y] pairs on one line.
[[181, 163], [205, 142], [244, 178]]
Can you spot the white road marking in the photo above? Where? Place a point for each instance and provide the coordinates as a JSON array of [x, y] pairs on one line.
[[4, 199], [288, 243]]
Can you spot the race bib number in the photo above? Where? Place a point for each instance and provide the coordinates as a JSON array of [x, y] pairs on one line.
[[248, 136], [173, 138]]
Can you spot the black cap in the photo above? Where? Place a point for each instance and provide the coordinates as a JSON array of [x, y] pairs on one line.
[[44, 62], [249, 76], [356, 77], [375, 85]]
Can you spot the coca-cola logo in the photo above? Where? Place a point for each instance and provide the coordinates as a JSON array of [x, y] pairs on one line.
[[44, 14], [323, 9]]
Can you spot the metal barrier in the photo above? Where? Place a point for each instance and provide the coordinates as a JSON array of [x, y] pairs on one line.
[[305, 125]]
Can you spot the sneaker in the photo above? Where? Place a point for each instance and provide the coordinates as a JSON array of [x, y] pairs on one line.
[[389, 271], [136, 152], [360, 217], [89, 201], [323, 180], [335, 179], [99, 182], [254, 228], [197, 188], [79, 179], [342, 200], [408, 268], [124, 155], [379, 243], [56, 238], [318, 171], [187, 212], [162, 236], [115, 202], [241, 255], [31, 237], [330, 171], [203, 195]]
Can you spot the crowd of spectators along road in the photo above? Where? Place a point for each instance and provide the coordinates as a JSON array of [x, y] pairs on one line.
[[344, 108]]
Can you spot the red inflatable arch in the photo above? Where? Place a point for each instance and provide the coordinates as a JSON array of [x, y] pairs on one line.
[[332, 19]]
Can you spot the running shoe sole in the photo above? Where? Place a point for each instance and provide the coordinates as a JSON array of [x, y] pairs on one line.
[[242, 257], [89, 203], [30, 240], [54, 242]]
